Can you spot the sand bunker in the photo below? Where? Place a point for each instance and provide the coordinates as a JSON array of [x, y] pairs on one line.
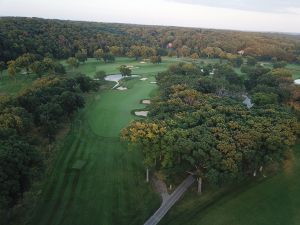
[[144, 78], [121, 88], [153, 82], [142, 62], [146, 101], [297, 82], [141, 113]]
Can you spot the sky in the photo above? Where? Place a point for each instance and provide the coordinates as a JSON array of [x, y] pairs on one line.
[[248, 15]]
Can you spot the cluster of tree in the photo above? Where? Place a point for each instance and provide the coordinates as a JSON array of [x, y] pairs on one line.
[[215, 138], [84, 39], [39, 112], [156, 59], [31, 63], [125, 71]]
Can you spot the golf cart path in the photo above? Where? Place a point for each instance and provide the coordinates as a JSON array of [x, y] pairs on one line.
[[170, 201]]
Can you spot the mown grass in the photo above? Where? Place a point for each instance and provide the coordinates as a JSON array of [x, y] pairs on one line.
[[91, 66], [111, 187], [273, 200]]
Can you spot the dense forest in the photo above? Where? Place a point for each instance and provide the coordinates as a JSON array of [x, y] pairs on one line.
[[63, 39], [199, 125]]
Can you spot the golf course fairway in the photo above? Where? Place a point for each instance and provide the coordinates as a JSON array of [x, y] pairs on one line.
[[95, 179]]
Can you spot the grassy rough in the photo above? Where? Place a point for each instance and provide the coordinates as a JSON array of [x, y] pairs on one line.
[[274, 200]]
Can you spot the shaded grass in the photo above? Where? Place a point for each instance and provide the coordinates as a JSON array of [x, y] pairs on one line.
[[274, 200]]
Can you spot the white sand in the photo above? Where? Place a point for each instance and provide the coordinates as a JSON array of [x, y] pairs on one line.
[[121, 88], [144, 78], [153, 82], [146, 101], [297, 82], [141, 113], [142, 62]]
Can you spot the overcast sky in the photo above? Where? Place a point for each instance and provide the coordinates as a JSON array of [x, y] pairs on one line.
[[254, 15]]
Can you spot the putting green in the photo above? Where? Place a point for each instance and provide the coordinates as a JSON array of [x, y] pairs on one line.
[[109, 187]]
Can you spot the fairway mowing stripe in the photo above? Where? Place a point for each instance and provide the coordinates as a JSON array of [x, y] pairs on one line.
[[57, 202], [64, 166], [71, 198], [54, 181], [59, 184], [67, 150], [79, 147]]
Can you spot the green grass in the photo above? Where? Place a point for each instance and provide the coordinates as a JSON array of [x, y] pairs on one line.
[[108, 185], [91, 66], [274, 200], [295, 68]]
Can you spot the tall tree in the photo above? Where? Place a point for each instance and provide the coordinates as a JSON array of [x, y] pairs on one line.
[[73, 62], [125, 71], [98, 54], [2, 67]]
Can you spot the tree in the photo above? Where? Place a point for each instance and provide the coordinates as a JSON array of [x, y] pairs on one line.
[[38, 68], [71, 101], [81, 55], [49, 115], [100, 75], [236, 60], [24, 61], [262, 99], [155, 59], [116, 50], [135, 51], [108, 57], [195, 56], [98, 54], [12, 69], [251, 61], [20, 164], [280, 64], [49, 65], [2, 67], [73, 62], [125, 71]]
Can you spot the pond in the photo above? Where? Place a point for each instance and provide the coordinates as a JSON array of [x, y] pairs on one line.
[[117, 78]]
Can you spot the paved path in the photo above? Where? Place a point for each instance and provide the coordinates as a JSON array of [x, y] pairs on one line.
[[169, 202]]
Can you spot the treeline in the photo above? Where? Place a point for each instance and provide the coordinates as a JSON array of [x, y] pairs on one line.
[[27, 122], [199, 125], [63, 39]]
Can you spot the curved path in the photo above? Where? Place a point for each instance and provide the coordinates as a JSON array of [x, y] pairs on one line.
[[170, 201]]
